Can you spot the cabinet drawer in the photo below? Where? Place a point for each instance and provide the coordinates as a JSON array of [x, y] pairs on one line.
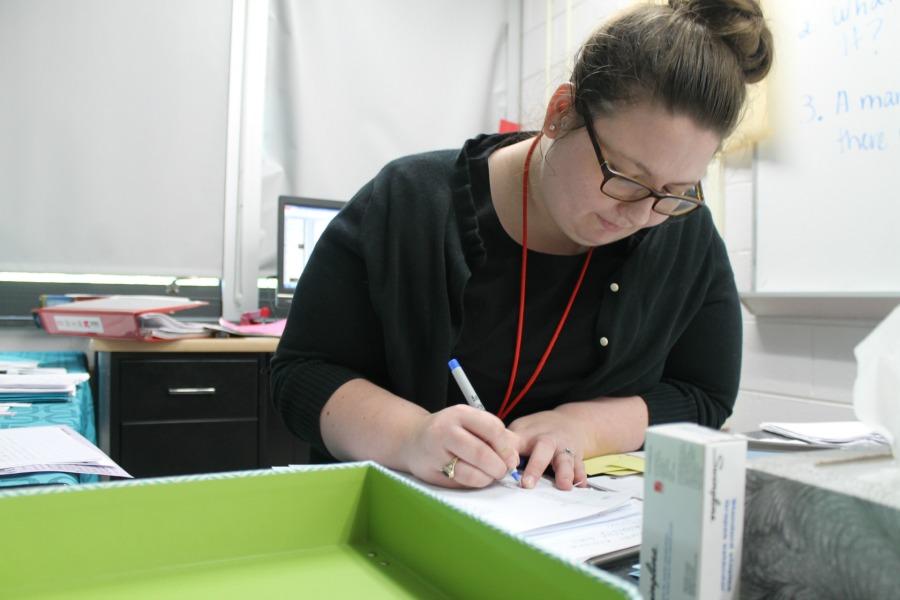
[[152, 449], [188, 389]]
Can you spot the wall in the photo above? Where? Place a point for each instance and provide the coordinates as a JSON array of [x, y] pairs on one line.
[[573, 26], [793, 369]]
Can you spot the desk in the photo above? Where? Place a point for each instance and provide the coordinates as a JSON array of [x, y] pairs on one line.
[[190, 406], [77, 413]]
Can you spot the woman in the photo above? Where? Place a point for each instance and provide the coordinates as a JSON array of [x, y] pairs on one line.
[[575, 273]]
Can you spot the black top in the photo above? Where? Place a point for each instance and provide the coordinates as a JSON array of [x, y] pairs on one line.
[[391, 293], [491, 306]]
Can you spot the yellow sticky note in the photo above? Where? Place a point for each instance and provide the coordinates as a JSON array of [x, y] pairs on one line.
[[609, 464]]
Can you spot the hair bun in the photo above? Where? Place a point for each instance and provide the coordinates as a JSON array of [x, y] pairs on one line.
[[740, 25]]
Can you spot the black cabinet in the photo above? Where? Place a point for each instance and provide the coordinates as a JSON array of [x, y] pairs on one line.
[[178, 413]]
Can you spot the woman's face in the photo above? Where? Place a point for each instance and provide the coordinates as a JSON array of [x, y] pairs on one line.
[[666, 152]]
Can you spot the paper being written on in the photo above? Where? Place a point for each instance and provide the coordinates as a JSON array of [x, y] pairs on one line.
[[608, 532], [513, 508]]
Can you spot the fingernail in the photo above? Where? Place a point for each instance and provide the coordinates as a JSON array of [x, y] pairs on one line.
[[528, 481], [582, 483]]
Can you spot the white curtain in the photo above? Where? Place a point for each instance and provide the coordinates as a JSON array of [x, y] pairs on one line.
[[113, 135], [352, 84]]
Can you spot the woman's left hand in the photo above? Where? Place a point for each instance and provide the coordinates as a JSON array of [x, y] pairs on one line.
[[552, 438]]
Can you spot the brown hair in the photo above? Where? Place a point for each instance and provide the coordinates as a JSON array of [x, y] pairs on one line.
[[693, 57]]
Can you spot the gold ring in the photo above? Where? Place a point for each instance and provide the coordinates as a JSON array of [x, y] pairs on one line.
[[450, 468]]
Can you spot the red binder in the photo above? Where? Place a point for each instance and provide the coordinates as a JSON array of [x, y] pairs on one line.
[[115, 317]]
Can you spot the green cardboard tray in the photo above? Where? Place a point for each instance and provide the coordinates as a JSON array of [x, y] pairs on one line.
[[347, 531]]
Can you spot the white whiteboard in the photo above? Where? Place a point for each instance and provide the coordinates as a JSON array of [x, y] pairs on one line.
[[828, 195]]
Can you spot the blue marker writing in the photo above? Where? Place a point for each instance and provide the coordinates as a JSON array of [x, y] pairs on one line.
[[465, 386]]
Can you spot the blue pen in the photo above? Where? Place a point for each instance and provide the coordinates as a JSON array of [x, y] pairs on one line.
[[468, 391]]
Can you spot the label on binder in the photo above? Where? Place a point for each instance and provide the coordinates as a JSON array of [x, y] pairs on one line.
[[78, 324]]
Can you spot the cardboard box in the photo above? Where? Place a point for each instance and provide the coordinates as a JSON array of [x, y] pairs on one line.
[[693, 513], [344, 531]]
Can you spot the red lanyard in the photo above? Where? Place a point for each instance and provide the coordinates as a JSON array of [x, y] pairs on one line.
[[508, 406]]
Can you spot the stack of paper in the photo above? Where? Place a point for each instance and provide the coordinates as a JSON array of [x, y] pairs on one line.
[[633, 486], [270, 329], [166, 327], [832, 434], [55, 448], [594, 539], [16, 365], [39, 385], [577, 524]]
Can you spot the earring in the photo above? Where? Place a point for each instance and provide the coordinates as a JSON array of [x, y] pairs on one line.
[[552, 127]]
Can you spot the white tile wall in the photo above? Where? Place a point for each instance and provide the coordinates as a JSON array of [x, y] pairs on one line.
[[742, 264], [533, 102], [534, 14], [586, 15], [777, 358], [753, 408], [834, 366], [794, 369]]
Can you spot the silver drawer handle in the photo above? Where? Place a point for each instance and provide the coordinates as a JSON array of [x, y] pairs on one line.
[[189, 391]]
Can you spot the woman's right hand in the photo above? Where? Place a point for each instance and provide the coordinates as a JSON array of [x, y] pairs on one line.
[[484, 448]]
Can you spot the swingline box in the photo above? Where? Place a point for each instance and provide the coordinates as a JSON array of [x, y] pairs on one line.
[[693, 513], [342, 531]]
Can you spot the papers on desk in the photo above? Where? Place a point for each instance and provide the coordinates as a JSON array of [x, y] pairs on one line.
[[52, 448], [39, 385], [604, 534], [615, 465], [6, 365], [829, 434], [165, 327], [577, 524], [632, 485], [269, 329]]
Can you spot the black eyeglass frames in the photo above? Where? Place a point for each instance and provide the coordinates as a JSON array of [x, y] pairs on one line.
[[625, 189]]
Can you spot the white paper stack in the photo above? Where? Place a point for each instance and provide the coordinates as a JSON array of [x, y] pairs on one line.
[[831, 434], [56, 448], [8, 365], [578, 524], [39, 383], [167, 327]]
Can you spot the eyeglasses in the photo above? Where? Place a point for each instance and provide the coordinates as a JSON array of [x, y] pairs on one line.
[[625, 189]]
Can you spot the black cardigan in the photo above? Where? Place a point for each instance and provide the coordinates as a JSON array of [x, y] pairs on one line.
[[382, 298]]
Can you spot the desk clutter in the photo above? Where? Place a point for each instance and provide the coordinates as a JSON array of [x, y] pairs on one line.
[[143, 318], [582, 524], [23, 382], [46, 390]]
